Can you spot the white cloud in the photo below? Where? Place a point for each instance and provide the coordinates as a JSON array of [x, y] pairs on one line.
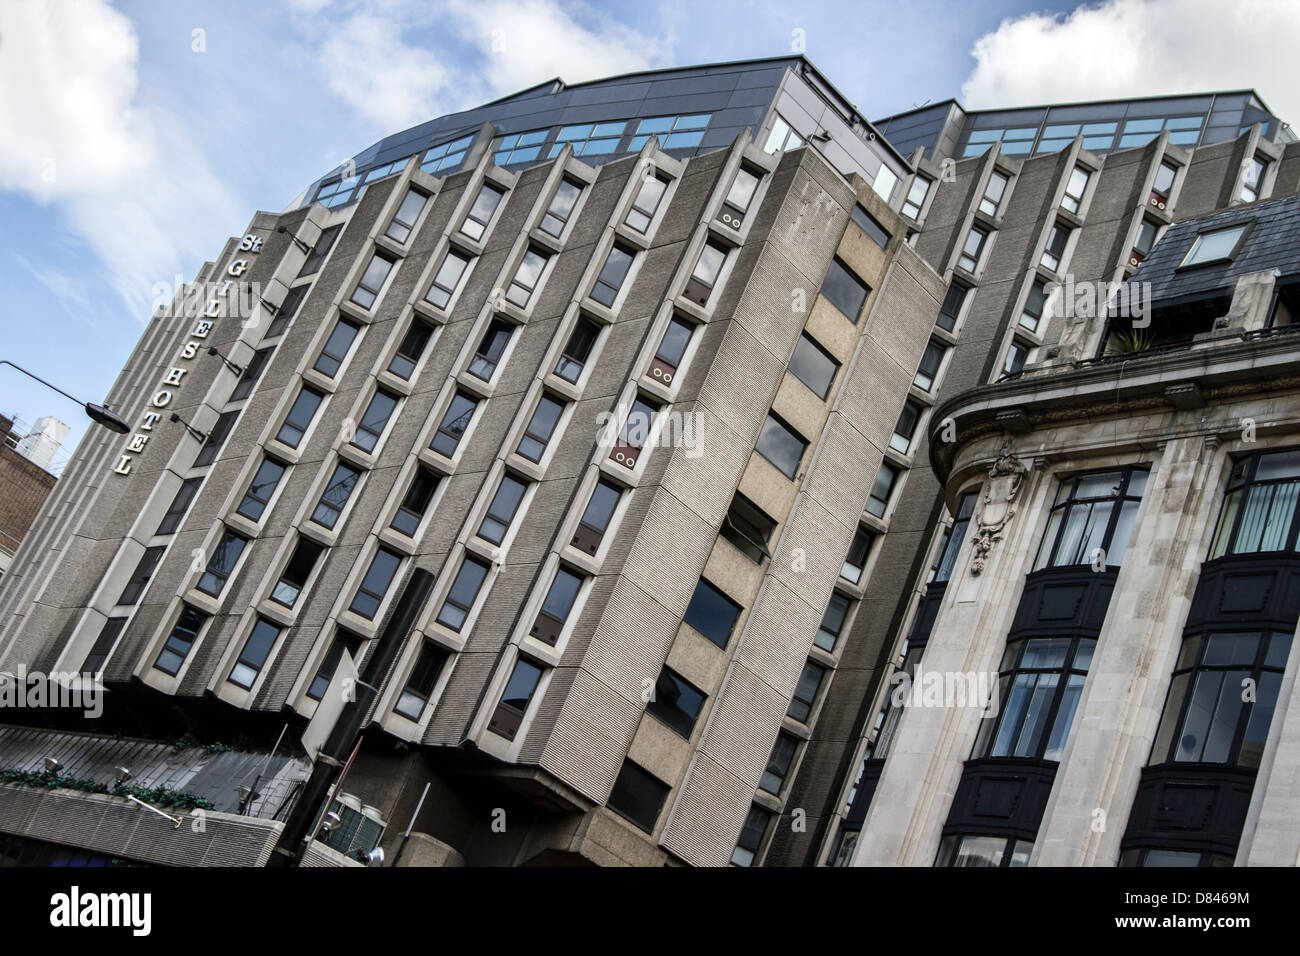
[[1126, 48]]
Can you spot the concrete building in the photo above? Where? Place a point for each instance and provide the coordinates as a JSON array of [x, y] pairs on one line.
[[24, 485]]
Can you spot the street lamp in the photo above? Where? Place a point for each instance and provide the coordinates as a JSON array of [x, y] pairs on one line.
[[99, 414]]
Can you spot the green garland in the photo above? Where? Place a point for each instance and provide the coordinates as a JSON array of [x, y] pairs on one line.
[[159, 796]]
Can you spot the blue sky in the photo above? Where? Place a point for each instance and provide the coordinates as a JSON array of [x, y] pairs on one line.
[[135, 137]]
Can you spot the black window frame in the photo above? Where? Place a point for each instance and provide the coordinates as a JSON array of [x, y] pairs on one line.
[[320, 251], [252, 373], [293, 426], [671, 691], [221, 565], [301, 564], [420, 683], [180, 506], [642, 810], [366, 587], [331, 506], [369, 429], [1068, 499], [253, 657], [771, 424], [516, 283], [447, 293], [445, 429], [540, 435], [457, 602], [257, 493], [611, 279], [475, 215], [370, 293], [410, 349], [844, 289], [578, 348], [140, 577], [491, 347], [815, 356], [719, 600], [181, 639], [563, 213], [417, 498], [407, 228], [334, 352], [216, 438], [748, 527]]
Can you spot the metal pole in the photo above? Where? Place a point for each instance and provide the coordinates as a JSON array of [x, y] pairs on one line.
[[407, 835]]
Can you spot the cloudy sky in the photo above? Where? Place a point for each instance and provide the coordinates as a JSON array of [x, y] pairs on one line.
[[136, 136]]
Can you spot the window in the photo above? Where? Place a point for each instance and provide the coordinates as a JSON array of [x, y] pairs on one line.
[[832, 622], [180, 641], [612, 275], [289, 588], [778, 764], [1039, 684], [518, 694], [519, 147], [941, 570], [373, 422], [260, 489], [901, 440], [410, 350], [561, 208], [103, 646], [1035, 301], [419, 685], [1222, 697], [813, 365], [383, 567], [1092, 519], [596, 517], [447, 279], [180, 504], [635, 432], [337, 193], [144, 570], [455, 422], [712, 613], [781, 445], [287, 310], [1160, 856], [856, 560], [782, 137], [740, 195], [480, 213], [299, 418], [1218, 245], [705, 276], [540, 429], [928, 369], [222, 563], [672, 349], [464, 590], [590, 139], [844, 290], [490, 349], [1074, 189], [1017, 354], [1252, 178], [415, 502], [916, 195], [216, 438], [253, 657], [993, 192], [527, 276], [345, 642], [638, 796], [674, 132], [399, 230], [446, 156], [972, 249], [676, 702], [371, 281], [335, 496], [646, 203], [1055, 251], [252, 372], [577, 349], [501, 512], [1259, 508], [1146, 238], [881, 489], [950, 310], [336, 348], [556, 606], [747, 527], [316, 257], [805, 692], [1164, 181], [984, 851], [751, 836]]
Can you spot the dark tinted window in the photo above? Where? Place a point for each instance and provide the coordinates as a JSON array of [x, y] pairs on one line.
[[712, 613]]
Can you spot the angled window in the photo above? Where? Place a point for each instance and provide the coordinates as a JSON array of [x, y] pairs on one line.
[[870, 225], [612, 275], [410, 350], [518, 147], [556, 606], [928, 369], [638, 796], [950, 310], [455, 421], [1217, 245], [561, 208], [856, 560], [502, 510], [739, 196], [372, 281], [179, 506], [480, 213], [287, 310], [289, 588], [1092, 518], [646, 203], [415, 502], [749, 528], [316, 257], [527, 276], [216, 438], [676, 701], [881, 490], [144, 570], [577, 349], [253, 657], [590, 139], [781, 445], [423, 679], [972, 249], [447, 279], [832, 622], [540, 429], [1017, 355], [844, 290], [490, 349], [778, 764], [335, 349], [374, 420], [905, 430], [509, 714], [1252, 179], [1146, 239], [379, 576], [222, 563], [464, 591], [335, 496], [252, 372], [260, 489], [1039, 684], [991, 201], [782, 137], [915, 200], [1163, 186], [1074, 190], [712, 613], [1056, 243], [805, 692], [596, 517], [180, 641], [299, 418], [1260, 506], [672, 349], [1035, 301], [103, 646], [813, 365], [345, 642], [635, 432], [705, 276], [399, 230], [674, 132], [986, 851], [941, 570], [751, 836], [446, 156]]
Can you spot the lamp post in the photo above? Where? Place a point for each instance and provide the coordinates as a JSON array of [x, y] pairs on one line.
[[98, 413]]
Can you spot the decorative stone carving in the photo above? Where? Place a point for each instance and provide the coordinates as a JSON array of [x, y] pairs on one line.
[[1006, 478]]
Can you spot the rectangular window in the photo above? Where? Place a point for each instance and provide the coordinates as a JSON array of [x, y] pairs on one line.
[[1215, 246], [501, 512], [253, 657], [638, 796], [856, 561], [180, 504], [446, 280], [950, 310], [635, 432], [1074, 190], [527, 276], [992, 198], [705, 276], [672, 349], [509, 715], [260, 489], [480, 214], [676, 702], [881, 489], [646, 203], [222, 563], [455, 422], [740, 195], [316, 257], [1055, 251], [180, 641], [445, 157], [778, 765], [1252, 179], [596, 517], [490, 349], [345, 642], [415, 502], [336, 348], [712, 613], [781, 445], [972, 249], [901, 440], [1032, 313], [612, 275], [299, 418], [928, 369], [144, 570], [1146, 238], [372, 424], [813, 365], [335, 496], [424, 677], [871, 226], [399, 230], [844, 290], [383, 568], [915, 200], [561, 208], [252, 372], [1016, 356], [1092, 519], [747, 527], [805, 692], [464, 590], [832, 622], [577, 349], [103, 646], [216, 438], [556, 606], [540, 429], [289, 588], [751, 836], [287, 310], [410, 350], [1164, 183], [371, 281]]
